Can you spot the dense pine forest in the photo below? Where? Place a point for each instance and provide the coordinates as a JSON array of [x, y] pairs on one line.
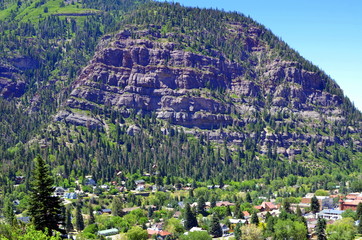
[[44, 45], [60, 46]]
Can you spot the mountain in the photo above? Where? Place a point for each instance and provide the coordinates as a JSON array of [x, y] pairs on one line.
[[164, 85]]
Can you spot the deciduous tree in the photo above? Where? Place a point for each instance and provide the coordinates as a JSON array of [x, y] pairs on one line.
[[117, 207]]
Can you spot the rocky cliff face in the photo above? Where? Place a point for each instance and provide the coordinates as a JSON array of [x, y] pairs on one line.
[[11, 82], [198, 91]]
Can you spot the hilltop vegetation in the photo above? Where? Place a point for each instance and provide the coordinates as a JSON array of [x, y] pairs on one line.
[[277, 114], [177, 96]]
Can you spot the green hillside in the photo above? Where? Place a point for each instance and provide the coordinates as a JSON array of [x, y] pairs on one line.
[[280, 136]]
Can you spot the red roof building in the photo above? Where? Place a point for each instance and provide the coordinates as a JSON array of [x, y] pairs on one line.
[[159, 233], [344, 205]]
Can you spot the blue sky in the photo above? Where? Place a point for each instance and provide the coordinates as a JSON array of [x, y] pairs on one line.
[[326, 32]]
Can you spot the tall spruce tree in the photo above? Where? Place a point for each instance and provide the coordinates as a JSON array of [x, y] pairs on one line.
[[190, 219], [314, 204], [8, 211], [248, 198], [68, 219], [359, 210], [201, 206], [237, 231], [213, 201], [215, 228], [44, 209], [92, 219], [359, 227], [237, 210], [79, 221], [286, 206], [254, 219], [320, 229], [299, 212]]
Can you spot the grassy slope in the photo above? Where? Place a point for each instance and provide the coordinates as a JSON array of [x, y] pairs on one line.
[[34, 13]]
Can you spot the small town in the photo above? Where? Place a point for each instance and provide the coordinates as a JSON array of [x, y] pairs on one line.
[[147, 207], [180, 120]]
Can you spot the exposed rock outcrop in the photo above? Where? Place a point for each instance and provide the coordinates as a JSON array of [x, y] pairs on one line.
[[195, 90], [11, 82]]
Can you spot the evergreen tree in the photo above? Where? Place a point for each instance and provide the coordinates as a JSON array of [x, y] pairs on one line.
[[149, 212], [92, 219], [359, 210], [194, 184], [215, 228], [248, 198], [254, 219], [359, 227], [8, 211], [270, 222], [213, 201], [283, 215], [286, 206], [320, 229], [237, 231], [79, 221], [191, 193], [190, 219], [314, 205], [68, 219], [117, 207], [267, 216], [241, 215], [201, 205], [299, 212], [228, 211], [237, 210], [44, 209]]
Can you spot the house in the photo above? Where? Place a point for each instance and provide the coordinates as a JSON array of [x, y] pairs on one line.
[[354, 196], [196, 229], [19, 179], [246, 214], [157, 226], [260, 208], [181, 204], [330, 214], [303, 206], [160, 234], [348, 204], [224, 204], [268, 206], [24, 219], [325, 202], [108, 232], [106, 210], [59, 192], [234, 221], [177, 214], [71, 195], [140, 185], [90, 181], [225, 229], [275, 213], [128, 210]]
